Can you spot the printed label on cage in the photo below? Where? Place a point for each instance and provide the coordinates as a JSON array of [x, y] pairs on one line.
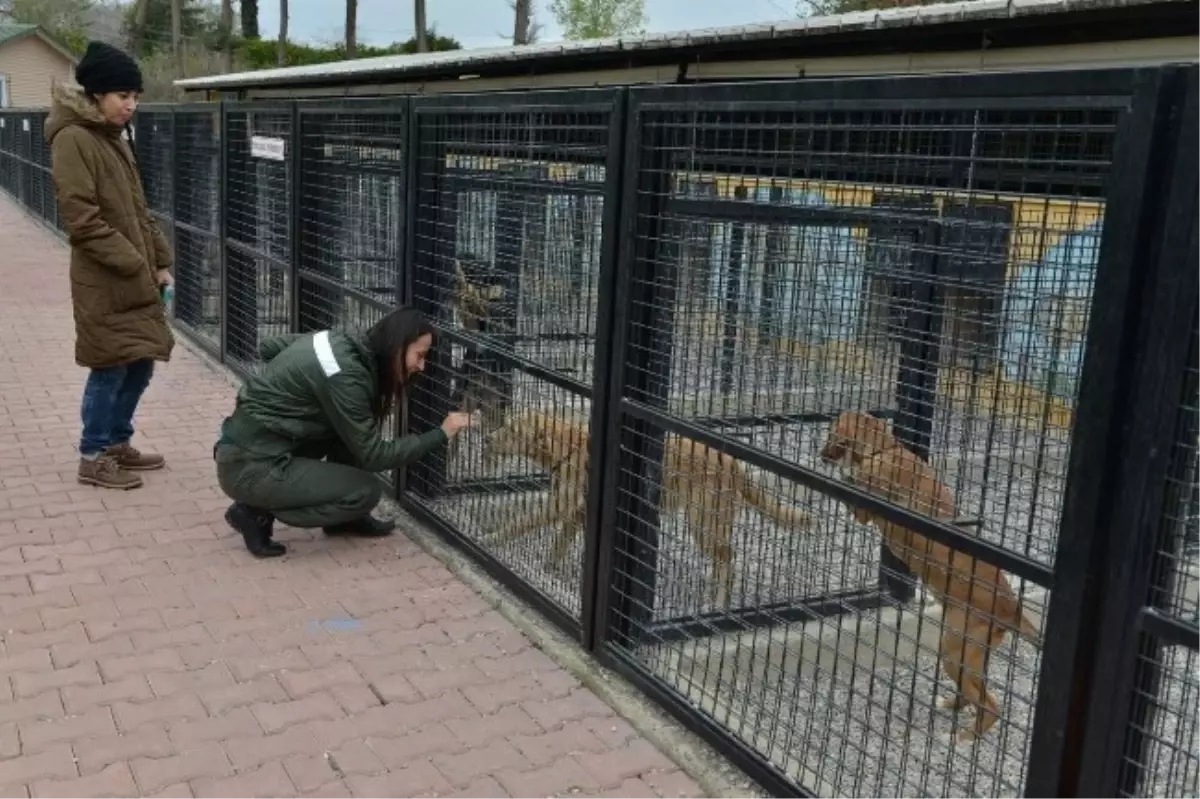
[[267, 147], [2, 121], [25, 125]]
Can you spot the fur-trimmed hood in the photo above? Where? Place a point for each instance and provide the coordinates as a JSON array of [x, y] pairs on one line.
[[70, 106]]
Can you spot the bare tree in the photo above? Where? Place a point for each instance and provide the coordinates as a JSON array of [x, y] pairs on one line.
[[419, 24], [177, 36], [351, 28], [525, 30], [281, 52], [227, 35]]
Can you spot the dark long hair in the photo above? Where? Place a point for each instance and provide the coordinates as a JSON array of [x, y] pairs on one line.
[[391, 335]]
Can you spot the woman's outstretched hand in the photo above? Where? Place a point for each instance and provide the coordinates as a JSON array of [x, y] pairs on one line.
[[456, 421]]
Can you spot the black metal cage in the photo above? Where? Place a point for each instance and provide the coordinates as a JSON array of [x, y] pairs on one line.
[[512, 217], [853, 421], [880, 247]]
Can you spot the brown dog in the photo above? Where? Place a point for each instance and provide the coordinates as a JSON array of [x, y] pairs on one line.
[[708, 486], [979, 603]]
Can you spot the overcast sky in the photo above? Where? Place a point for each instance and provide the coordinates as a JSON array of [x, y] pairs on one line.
[[489, 23]]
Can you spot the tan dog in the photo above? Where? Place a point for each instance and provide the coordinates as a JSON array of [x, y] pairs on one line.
[[979, 603], [706, 485]]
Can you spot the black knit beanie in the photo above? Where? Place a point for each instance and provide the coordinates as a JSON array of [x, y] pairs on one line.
[[104, 69]]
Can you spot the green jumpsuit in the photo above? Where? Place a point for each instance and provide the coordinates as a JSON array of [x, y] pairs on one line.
[[303, 442]]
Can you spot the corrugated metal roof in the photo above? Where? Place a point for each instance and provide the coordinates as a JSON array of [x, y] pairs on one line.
[[400, 66]]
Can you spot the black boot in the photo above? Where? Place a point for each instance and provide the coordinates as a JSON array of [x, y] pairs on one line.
[[365, 527], [256, 527]]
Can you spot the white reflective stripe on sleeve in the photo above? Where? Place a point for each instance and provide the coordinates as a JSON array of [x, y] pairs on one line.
[[325, 355]]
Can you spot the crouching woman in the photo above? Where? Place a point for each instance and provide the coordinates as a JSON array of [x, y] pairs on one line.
[[305, 441]]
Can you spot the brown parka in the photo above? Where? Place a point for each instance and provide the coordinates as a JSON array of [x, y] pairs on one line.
[[116, 247]]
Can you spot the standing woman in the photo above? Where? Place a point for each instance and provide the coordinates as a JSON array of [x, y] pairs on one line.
[[305, 442], [120, 261]]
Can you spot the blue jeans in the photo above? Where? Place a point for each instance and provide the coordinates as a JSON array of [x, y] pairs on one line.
[[109, 400]]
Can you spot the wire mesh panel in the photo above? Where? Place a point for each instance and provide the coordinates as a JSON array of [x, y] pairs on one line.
[[196, 194], [840, 295], [154, 143], [258, 226], [352, 201], [351, 214], [510, 197], [1161, 754]]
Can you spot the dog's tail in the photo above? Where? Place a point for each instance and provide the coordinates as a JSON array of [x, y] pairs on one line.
[[770, 507]]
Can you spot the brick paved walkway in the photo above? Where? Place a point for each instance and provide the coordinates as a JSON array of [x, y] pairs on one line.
[[145, 653]]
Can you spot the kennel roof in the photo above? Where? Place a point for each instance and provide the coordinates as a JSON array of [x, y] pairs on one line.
[[975, 27]]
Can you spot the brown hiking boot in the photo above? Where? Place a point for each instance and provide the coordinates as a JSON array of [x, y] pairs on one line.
[[107, 473], [130, 459]]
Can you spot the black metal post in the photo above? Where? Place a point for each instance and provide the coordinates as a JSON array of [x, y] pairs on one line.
[[223, 145], [605, 435], [647, 276], [406, 254], [430, 263], [295, 167], [1148, 541], [1122, 436]]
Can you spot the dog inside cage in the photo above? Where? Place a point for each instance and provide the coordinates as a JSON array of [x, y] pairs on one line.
[[787, 293], [512, 261]]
